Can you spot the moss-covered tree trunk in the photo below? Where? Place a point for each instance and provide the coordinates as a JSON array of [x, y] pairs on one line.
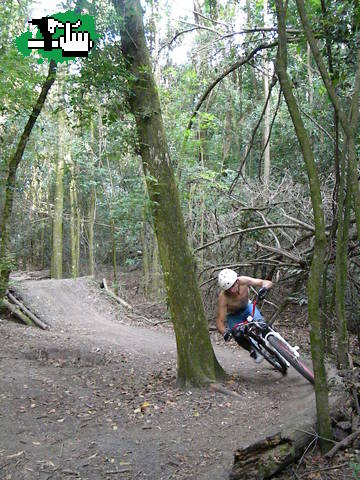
[[317, 264], [114, 258], [90, 230], [5, 258], [197, 364], [267, 113], [74, 222], [57, 232], [91, 207], [342, 240]]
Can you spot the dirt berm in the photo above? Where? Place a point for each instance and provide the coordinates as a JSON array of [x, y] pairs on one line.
[[95, 397]]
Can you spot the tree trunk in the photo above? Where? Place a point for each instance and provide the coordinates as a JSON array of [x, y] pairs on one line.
[[316, 270], [90, 230], [114, 259], [91, 209], [227, 136], [342, 240], [310, 76], [267, 114], [197, 364], [5, 258], [74, 222], [57, 237]]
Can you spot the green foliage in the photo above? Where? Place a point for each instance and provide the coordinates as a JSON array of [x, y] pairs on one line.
[[355, 467], [7, 264], [101, 133]]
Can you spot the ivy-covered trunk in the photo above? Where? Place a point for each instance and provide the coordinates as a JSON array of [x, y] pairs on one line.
[[317, 264], [197, 364], [5, 257]]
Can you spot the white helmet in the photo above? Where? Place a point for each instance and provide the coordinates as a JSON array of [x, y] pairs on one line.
[[227, 278]]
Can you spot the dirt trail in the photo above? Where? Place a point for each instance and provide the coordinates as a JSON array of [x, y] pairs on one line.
[[95, 396]]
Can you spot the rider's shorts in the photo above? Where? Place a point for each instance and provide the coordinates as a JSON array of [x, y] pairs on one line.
[[241, 315]]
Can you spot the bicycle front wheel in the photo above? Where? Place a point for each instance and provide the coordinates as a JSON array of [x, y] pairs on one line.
[[294, 361], [274, 359]]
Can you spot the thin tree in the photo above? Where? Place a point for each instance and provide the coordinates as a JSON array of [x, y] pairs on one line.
[[5, 258], [349, 123], [57, 224], [197, 364], [316, 270], [267, 113]]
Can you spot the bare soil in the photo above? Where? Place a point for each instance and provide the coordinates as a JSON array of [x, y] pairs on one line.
[[95, 396]]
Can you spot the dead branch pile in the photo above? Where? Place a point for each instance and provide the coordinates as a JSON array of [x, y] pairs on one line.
[[267, 231], [346, 413]]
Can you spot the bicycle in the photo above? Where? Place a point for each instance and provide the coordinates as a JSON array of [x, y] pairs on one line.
[[270, 344]]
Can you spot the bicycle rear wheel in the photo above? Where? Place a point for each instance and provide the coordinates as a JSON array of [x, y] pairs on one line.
[[274, 359], [294, 361]]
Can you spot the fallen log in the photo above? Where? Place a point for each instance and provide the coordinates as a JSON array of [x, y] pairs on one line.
[[113, 296], [17, 312], [343, 444], [27, 312], [30, 275], [265, 458]]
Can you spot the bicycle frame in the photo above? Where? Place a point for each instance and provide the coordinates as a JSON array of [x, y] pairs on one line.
[[271, 331]]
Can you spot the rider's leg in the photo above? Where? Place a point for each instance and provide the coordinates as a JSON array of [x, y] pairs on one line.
[[239, 317], [259, 318], [247, 345], [244, 342]]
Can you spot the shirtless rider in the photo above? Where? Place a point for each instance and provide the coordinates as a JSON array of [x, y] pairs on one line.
[[234, 306]]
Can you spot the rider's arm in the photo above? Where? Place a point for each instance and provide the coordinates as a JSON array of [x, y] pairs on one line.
[[255, 282], [221, 315]]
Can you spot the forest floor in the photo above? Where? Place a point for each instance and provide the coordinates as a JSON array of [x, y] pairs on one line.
[[95, 397]]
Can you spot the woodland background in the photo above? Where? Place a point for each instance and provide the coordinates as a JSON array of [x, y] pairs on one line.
[[248, 199], [80, 199]]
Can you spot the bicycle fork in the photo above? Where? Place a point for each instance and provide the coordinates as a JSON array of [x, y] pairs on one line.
[[293, 350]]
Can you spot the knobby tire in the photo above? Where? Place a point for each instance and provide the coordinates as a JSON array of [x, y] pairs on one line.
[[274, 359], [294, 361]]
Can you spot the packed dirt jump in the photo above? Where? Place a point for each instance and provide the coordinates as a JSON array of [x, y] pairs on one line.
[[94, 396]]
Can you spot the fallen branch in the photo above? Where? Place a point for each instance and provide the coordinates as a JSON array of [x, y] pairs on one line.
[[115, 472], [343, 444], [17, 312], [113, 296], [144, 318], [250, 230], [326, 469], [284, 253], [215, 387], [27, 312]]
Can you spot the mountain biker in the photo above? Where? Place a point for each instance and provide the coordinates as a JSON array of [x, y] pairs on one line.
[[234, 306]]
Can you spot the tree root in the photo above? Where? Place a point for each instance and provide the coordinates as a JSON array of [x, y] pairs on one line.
[[216, 387]]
